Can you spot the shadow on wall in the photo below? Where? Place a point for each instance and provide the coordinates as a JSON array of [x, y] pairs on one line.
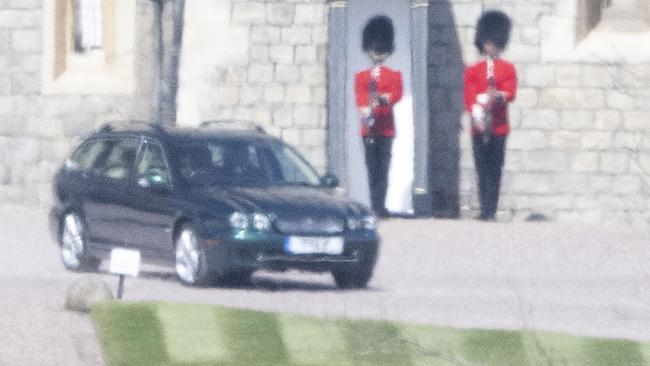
[[445, 79]]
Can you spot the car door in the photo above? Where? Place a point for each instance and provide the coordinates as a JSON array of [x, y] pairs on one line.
[[109, 193], [152, 210]]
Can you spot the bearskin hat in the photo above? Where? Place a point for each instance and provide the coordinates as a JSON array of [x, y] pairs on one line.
[[493, 26], [378, 35]]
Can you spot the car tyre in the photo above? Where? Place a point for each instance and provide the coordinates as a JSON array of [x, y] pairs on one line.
[[356, 276], [190, 260], [73, 243]]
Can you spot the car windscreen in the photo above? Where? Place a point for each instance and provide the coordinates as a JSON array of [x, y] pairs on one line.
[[242, 163]]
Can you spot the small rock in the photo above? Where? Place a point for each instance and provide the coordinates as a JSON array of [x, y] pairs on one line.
[[85, 292]]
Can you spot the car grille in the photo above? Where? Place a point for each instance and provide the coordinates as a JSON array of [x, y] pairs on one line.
[[309, 225]]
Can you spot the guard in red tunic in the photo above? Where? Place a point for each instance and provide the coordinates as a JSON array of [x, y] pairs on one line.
[[376, 90], [490, 84]]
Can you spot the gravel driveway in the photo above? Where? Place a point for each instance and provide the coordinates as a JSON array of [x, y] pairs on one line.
[[577, 279]]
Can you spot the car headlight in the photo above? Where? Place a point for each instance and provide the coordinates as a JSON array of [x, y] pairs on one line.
[[238, 221], [368, 222], [261, 222]]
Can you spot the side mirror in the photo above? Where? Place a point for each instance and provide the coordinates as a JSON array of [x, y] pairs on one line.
[[329, 181]]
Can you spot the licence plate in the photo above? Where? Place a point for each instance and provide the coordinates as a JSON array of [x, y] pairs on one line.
[[313, 245]]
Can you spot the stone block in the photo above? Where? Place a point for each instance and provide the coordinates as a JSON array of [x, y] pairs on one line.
[[568, 75], [545, 161], [565, 140], [464, 14], [607, 120], [576, 119], [248, 12], [299, 94], [263, 115], [530, 36], [306, 54], [287, 73], [265, 35], [526, 98], [320, 35], [260, 73], [291, 136], [319, 96], [628, 184], [630, 141], [527, 140], [313, 74], [636, 120], [226, 95], [24, 4], [307, 116], [614, 162], [538, 76], [4, 173], [532, 183], [295, 36], [280, 13], [313, 137], [281, 54], [597, 140], [522, 54], [598, 76], [283, 117], [585, 162], [567, 98], [313, 13], [619, 100], [540, 119], [26, 41], [250, 95], [15, 19], [25, 83], [259, 53], [274, 93]]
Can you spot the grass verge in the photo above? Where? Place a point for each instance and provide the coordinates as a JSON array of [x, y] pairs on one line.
[[201, 335]]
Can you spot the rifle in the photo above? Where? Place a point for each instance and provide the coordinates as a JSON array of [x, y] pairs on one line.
[[487, 130], [374, 101]]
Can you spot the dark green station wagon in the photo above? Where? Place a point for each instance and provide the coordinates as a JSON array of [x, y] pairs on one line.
[[215, 203]]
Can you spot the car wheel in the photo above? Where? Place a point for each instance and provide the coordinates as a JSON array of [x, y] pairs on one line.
[[73, 242], [356, 276], [191, 268]]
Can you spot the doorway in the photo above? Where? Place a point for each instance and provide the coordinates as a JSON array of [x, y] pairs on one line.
[[400, 177]]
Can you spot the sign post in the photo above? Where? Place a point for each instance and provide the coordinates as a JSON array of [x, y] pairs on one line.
[[124, 262]]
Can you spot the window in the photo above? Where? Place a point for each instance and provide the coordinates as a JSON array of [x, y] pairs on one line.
[[83, 159], [153, 165], [85, 51], [87, 25], [119, 160]]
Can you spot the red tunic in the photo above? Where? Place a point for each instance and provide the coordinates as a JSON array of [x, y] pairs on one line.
[[389, 83], [505, 77]]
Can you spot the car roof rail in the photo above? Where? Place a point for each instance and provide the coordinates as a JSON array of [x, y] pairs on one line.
[[130, 124], [232, 124]]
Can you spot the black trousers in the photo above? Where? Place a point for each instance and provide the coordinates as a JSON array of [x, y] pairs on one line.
[[378, 154], [488, 160]]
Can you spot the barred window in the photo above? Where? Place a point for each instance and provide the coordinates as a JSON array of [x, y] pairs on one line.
[[88, 25]]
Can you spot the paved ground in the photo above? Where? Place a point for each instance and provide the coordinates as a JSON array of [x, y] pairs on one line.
[[571, 278]]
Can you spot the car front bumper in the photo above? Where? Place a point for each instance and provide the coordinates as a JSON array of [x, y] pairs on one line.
[[251, 252]]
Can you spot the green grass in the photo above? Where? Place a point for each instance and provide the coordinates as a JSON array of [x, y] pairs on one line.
[[197, 335]]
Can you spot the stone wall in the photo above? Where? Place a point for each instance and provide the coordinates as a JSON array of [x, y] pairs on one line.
[[37, 128], [580, 143], [262, 61]]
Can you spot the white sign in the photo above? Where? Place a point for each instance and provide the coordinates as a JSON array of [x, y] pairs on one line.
[[314, 245], [125, 261]]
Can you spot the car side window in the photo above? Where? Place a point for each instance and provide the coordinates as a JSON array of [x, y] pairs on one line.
[[152, 165], [83, 159], [119, 159]]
